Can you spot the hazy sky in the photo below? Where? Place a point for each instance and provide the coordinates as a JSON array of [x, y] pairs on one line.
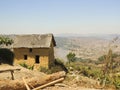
[[59, 16]]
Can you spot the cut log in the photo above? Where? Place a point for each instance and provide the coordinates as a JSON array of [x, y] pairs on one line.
[[57, 75], [34, 81], [48, 84]]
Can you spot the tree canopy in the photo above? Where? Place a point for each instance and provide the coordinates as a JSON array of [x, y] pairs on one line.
[[6, 41], [71, 57]]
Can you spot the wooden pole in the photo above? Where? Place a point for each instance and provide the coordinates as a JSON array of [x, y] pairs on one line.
[[26, 84], [12, 74], [48, 84]]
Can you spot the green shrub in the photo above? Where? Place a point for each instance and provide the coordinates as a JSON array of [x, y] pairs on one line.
[[23, 65], [51, 70], [43, 69], [117, 82], [102, 58], [27, 66], [86, 70], [91, 71]]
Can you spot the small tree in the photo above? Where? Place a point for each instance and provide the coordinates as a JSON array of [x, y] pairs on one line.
[[5, 41], [71, 57]]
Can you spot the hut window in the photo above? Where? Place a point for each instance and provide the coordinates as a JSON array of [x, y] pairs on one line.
[[37, 59], [30, 50], [25, 57]]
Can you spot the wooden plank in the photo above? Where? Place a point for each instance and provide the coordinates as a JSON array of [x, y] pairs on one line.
[[7, 70], [11, 71], [48, 84]]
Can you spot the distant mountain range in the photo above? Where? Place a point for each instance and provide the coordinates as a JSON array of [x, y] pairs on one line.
[[103, 36]]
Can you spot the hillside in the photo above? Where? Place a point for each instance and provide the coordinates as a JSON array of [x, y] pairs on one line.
[[86, 47]]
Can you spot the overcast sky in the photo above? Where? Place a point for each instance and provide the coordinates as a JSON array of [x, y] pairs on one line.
[[59, 16]]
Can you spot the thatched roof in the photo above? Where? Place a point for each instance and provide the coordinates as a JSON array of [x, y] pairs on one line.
[[34, 41]]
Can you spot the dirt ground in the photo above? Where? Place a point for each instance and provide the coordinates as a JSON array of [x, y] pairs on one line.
[[72, 87], [68, 88], [66, 85]]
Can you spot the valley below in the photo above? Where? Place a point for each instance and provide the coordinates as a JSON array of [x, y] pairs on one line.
[[86, 47]]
